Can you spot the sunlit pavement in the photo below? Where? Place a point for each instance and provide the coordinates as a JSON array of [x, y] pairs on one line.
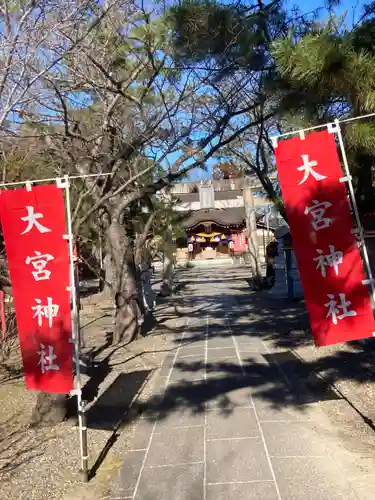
[[223, 421]]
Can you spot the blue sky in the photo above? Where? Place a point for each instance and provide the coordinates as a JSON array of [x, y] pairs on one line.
[[354, 9]]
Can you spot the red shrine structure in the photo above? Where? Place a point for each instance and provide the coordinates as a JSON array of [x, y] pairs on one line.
[[215, 220]]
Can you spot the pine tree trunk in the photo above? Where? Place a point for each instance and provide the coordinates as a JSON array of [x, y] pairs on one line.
[[126, 293], [49, 410], [167, 286], [253, 244]]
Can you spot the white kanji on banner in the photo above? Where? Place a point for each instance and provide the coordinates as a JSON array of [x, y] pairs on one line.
[[47, 358], [317, 211], [308, 170], [32, 220], [47, 311], [39, 263], [334, 308], [333, 259]]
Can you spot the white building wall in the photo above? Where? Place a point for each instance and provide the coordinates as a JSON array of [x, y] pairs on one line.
[[238, 202]]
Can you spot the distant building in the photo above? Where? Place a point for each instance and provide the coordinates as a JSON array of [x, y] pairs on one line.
[[216, 220]]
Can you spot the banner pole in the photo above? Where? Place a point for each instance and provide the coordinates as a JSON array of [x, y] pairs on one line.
[[275, 138], [76, 339], [348, 178]]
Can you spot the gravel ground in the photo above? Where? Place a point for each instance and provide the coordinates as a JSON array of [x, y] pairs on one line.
[[43, 463], [349, 370], [348, 367]]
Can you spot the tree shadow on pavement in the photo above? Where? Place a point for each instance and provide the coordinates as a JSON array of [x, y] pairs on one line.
[[279, 377], [256, 379], [111, 410]]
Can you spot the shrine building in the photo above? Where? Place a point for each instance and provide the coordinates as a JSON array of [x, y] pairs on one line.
[[215, 220]]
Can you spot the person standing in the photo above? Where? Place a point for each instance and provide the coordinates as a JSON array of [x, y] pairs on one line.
[[272, 251], [190, 251], [147, 292], [231, 249]]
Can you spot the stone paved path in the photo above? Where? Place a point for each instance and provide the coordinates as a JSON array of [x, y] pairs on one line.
[[222, 423]]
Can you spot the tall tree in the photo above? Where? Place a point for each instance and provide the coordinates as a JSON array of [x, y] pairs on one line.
[[230, 45], [115, 103], [330, 73]]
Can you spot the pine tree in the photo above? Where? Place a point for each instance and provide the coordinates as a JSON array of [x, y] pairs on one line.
[[330, 73]]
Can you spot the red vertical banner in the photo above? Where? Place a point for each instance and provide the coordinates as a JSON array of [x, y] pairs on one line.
[[34, 227], [239, 241], [327, 252]]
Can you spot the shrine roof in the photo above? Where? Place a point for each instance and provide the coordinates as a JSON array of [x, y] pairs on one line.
[[226, 217]]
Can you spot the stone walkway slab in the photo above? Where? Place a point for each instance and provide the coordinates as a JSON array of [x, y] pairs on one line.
[[237, 460], [222, 423], [239, 422], [256, 490], [180, 482]]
